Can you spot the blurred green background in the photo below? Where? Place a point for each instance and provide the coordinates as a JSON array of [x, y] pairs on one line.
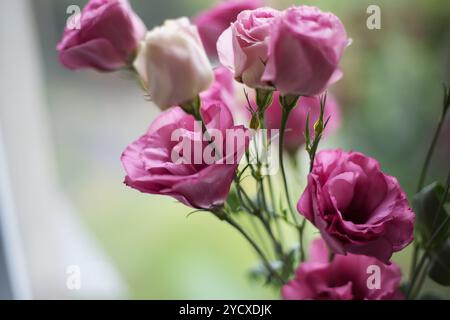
[[391, 98]]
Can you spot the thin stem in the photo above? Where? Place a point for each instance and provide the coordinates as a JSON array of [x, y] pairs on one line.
[[426, 164], [271, 193], [439, 210], [272, 199], [429, 244], [266, 263], [302, 231], [262, 193], [416, 274], [241, 192], [277, 246], [278, 249], [424, 170], [284, 118], [415, 256], [421, 280], [255, 226], [266, 220]]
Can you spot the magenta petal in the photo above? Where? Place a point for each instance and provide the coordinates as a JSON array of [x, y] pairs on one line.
[[344, 277], [150, 168], [318, 251], [211, 183], [356, 207], [109, 34], [91, 55]]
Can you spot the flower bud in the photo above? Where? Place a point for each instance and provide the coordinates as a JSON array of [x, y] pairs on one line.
[[172, 63], [107, 39]]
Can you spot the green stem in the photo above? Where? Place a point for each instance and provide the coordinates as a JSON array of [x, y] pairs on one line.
[[276, 245], [284, 118], [272, 200], [260, 253], [271, 193], [257, 213], [430, 152], [278, 248], [260, 236], [424, 171], [415, 256], [421, 280], [302, 231], [429, 244], [265, 220], [241, 192]]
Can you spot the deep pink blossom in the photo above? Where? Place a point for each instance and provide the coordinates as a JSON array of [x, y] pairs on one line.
[[356, 207], [109, 34], [344, 278], [150, 166]]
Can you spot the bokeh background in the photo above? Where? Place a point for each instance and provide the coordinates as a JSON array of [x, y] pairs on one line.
[[391, 98]]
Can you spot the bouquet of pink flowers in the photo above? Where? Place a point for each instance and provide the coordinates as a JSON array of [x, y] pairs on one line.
[[209, 139]]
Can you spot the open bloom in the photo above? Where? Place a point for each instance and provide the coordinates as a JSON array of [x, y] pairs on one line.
[[171, 158], [212, 22], [305, 47], [351, 277], [172, 63], [243, 47], [294, 136], [108, 36], [357, 208]]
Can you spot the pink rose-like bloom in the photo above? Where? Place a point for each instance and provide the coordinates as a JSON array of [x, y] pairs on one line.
[[357, 208], [243, 47], [107, 39], [212, 22], [149, 163], [223, 88], [305, 48], [344, 278], [294, 136]]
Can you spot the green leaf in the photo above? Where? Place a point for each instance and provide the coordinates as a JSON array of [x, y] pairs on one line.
[[440, 266], [426, 204]]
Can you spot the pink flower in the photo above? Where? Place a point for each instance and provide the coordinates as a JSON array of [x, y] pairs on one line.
[[151, 168], [305, 48], [222, 89], [294, 136], [356, 207], [243, 47], [344, 278], [211, 23], [109, 35]]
